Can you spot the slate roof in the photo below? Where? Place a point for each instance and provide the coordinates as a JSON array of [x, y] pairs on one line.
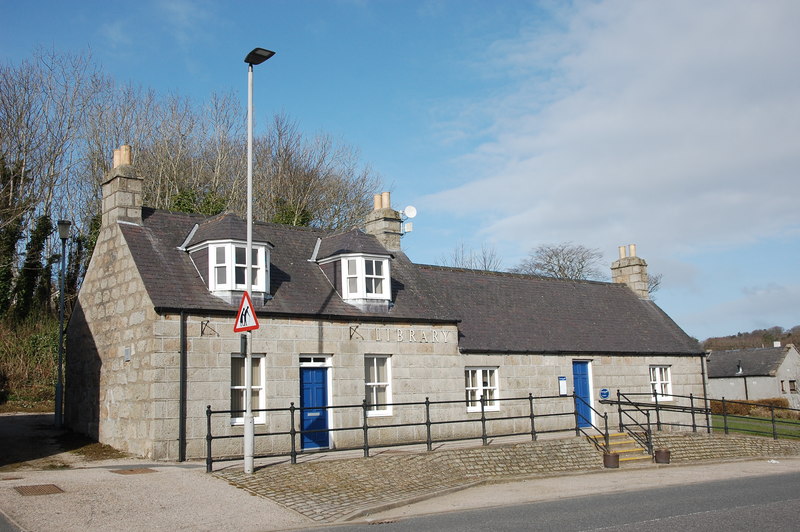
[[756, 362], [299, 287], [508, 313], [495, 312], [354, 241]]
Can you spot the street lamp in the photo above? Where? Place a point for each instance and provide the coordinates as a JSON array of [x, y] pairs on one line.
[[255, 57], [63, 234]]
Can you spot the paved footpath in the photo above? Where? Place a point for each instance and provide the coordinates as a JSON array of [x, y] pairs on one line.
[[184, 497], [65, 493]]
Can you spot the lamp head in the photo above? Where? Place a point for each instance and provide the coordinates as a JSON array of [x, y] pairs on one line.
[[258, 56], [63, 229]]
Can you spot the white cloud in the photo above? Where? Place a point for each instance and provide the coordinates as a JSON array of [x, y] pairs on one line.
[[668, 123], [185, 18], [757, 307], [117, 34]]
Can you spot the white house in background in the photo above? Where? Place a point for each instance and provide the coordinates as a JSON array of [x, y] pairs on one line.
[[752, 374]]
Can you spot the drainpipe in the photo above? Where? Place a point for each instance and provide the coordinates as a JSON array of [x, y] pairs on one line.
[[705, 390], [703, 375], [182, 393]]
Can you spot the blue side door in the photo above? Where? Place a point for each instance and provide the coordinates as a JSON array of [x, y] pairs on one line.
[[580, 380], [313, 400]]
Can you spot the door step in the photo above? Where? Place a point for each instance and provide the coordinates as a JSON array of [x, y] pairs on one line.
[[628, 449]]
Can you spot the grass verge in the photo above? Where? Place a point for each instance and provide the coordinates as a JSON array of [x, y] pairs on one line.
[[757, 426]]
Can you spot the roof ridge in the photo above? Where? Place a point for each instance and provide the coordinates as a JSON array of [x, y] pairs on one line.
[[511, 274]]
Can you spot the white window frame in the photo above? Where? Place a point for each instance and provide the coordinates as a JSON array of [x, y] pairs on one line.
[[360, 276], [473, 394], [260, 417], [661, 382], [259, 266], [371, 384]]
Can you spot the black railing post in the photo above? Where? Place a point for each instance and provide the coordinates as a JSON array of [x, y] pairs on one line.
[[484, 438], [774, 428], [575, 406], [619, 409], [605, 434], [658, 410], [707, 408], [365, 428], [428, 439], [533, 421], [649, 432], [724, 416], [691, 405], [292, 433], [209, 460]]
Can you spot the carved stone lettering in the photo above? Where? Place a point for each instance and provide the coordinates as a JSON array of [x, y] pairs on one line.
[[386, 334]]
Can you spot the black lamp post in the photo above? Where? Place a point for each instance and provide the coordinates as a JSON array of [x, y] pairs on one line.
[[63, 234]]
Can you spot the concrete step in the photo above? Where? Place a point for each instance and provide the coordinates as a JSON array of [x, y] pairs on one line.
[[628, 449]]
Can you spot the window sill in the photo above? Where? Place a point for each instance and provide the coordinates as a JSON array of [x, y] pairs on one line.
[[379, 413]]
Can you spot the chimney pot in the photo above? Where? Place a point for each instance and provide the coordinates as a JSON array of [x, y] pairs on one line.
[[122, 190], [125, 154], [631, 270], [385, 223], [376, 202]]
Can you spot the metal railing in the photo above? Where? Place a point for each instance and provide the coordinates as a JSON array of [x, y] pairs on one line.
[[641, 433], [482, 421], [697, 413], [604, 447]]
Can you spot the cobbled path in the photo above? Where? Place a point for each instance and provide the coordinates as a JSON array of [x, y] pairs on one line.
[[340, 489], [336, 490]]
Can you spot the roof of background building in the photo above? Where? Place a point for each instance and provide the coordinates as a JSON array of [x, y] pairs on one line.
[[755, 362], [495, 312]]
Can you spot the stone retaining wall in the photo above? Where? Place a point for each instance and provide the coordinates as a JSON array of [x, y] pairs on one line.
[[686, 447], [330, 490]]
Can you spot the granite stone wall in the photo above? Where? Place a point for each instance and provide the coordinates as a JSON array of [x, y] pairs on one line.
[[113, 387]]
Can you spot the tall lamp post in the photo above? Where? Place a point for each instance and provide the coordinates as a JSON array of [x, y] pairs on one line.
[[255, 57], [63, 234]]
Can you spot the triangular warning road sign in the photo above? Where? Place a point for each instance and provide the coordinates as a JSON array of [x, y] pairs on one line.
[[246, 319]]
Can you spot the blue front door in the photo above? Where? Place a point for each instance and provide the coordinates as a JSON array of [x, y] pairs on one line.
[[580, 380], [313, 400]]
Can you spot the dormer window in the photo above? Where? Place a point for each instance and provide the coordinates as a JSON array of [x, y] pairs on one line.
[[365, 277], [228, 264]]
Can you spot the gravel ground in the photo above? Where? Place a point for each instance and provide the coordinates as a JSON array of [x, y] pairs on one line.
[[101, 489]]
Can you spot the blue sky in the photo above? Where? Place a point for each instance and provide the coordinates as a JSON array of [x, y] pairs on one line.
[[671, 125]]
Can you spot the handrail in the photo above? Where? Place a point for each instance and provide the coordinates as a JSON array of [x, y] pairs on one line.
[[485, 417], [627, 403], [647, 440], [604, 448]]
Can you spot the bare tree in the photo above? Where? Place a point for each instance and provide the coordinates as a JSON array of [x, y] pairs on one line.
[[310, 181], [562, 261], [61, 118], [654, 283], [463, 257]]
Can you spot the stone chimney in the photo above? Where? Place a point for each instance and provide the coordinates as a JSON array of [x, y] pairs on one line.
[[385, 222], [122, 190], [631, 270]]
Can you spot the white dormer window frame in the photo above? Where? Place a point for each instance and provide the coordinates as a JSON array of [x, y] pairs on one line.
[[227, 266], [366, 277]]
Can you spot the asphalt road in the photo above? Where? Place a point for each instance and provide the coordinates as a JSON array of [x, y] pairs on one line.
[[762, 503]]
